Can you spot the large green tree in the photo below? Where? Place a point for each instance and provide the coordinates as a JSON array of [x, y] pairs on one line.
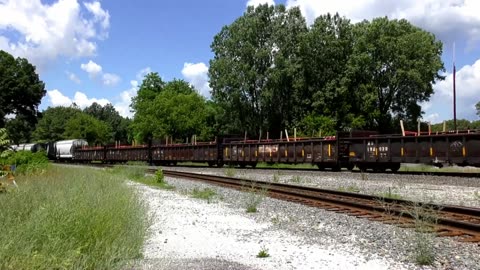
[[85, 126], [177, 110], [51, 127], [21, 90], [256, 69], [108, 114], [477, 106], [326, 50], [392, 69]]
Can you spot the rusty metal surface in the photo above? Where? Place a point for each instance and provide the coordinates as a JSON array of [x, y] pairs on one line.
[[449, 220]]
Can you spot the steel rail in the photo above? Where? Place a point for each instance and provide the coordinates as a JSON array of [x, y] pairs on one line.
[[450, 220]]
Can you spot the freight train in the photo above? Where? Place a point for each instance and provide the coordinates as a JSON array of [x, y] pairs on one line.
[[365, 150]]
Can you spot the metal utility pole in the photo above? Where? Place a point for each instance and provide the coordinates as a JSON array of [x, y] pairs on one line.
[[454, 92]]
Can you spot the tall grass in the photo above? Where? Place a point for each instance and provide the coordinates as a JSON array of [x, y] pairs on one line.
[[71, 219]]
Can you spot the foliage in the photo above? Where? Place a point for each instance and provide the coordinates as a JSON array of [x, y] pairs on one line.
[[71, 219], [51, 126], [27, 163], [390, 195], [205, 194], [326, 49], [108, 114], [21, 90], [392, 68], [4, 143], [176, 110], [87, 127], [137, 174], [256, 69], [263, 253], [21, 128], [462, 124], [255, 196], [477, 107]]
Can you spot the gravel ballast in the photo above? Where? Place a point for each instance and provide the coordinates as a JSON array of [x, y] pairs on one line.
[[188, 233]]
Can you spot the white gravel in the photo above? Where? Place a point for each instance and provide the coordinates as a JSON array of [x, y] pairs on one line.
[[188, 233]]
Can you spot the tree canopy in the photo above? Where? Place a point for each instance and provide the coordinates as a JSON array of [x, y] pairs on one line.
[[21, 90], [87, 127], [108, 114], [270, 72], [51, 127], [172, 109]]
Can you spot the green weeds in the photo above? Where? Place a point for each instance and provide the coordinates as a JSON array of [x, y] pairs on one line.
[[73, 218], [263, 253], [351, 188], [207, 194], [255, 196], [390, 195]]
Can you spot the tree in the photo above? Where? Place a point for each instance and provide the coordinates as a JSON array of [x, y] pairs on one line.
[[84, 126], [326, 50], [477, 106], [20, 128], [255, 72], [108, 114], [51, 127], [177, 111], [392, 68], [21, 90]]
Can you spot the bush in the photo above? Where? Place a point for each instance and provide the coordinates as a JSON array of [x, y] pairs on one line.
[[27, 162]]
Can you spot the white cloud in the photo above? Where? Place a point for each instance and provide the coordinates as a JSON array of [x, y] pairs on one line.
[[73, 78], [467, 91], [43, 32], [432, 118], [92, 68], [100, 15], [56, 98], [260, 2], [449, 20], [141, 74], [110, 79], [125, 99], [197, 75]]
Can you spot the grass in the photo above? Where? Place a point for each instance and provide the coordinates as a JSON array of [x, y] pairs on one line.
[[263, 253], [137, 174], [351, 188], [428, 168], [296, 179], [255, 196], [230, 172], [390, 195], [207, 194], [73, 218], [425, 219]]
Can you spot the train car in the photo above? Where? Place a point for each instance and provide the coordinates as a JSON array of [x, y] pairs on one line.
[[65, 150], [380, 153], [202, 152], [324, 152], [32, 147]]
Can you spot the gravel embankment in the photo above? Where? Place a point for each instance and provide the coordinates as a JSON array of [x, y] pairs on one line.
[[190, 233], [434, 189]]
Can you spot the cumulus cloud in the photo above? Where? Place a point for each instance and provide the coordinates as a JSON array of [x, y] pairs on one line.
[[142, 73], [56, 98], [260, 2], [73, 77], [110, 79], [197, 75], [449, 19], [125, 99], [92, 68], [42, 32]]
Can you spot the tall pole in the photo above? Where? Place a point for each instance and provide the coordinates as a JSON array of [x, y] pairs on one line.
[[454, 92]]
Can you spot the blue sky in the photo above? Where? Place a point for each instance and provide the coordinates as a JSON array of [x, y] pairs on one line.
[[89, 51]]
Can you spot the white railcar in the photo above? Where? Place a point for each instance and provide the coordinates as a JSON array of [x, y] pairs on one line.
[[64, 149]]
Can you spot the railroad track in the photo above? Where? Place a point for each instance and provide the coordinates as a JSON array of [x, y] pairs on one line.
[[444, 220], [428, 173]]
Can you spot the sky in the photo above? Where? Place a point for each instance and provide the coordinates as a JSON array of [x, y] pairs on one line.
[[99, 51]]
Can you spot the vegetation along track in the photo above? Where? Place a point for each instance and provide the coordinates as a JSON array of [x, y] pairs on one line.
[[445, 220]]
